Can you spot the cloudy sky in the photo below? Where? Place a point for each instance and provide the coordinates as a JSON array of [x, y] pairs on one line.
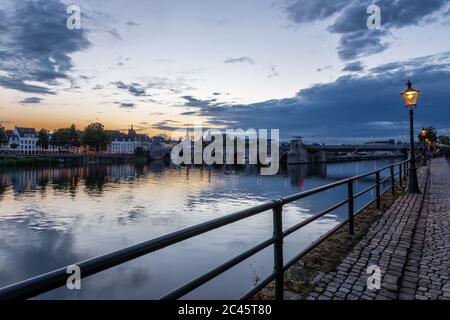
[[308, 67]]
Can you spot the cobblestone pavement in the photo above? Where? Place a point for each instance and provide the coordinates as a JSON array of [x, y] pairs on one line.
[[430, 262], [410, 244]]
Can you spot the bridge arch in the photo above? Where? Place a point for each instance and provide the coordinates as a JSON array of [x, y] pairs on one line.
[[284, 158]]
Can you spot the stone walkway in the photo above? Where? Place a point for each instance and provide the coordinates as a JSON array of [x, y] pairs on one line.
[[410, 244], [431, 262]]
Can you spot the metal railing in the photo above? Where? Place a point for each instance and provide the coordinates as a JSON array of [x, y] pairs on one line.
[[52, 280]]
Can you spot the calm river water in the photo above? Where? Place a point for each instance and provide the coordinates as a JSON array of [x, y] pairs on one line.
[[50, 218]]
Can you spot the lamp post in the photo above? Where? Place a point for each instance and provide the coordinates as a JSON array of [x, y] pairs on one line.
[[410, 96]]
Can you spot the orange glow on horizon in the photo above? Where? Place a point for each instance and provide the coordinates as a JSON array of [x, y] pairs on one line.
[[51, 124]]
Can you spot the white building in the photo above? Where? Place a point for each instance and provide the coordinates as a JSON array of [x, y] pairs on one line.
[[122, 147], [23, 140], [121, 143]]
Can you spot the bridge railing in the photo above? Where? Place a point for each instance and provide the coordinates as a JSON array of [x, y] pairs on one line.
[[52, 280]]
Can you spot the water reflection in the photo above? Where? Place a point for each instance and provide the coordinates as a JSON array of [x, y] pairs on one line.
[[298, 173], [54, 217]]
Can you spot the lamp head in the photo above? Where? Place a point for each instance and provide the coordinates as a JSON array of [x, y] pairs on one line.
[[410, 96]]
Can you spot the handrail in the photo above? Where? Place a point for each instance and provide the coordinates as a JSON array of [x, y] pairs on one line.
[[52, 280]]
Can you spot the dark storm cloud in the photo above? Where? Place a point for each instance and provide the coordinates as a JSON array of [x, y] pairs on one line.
[[362, 106], [3, 25], [189, 113], [304, 11], [351, 16], [193, 102], [394, 14], [354, 67], [218, 122], [126, 105], [38, 45], [133, 88], [20, 85], [31, 100], [167, 125], [359, 44], [240, 60]]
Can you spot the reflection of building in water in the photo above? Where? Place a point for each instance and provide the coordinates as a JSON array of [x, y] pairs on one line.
[[34, 179], [156, 166], [120, 172], [68, 179], [24, 180], [298, 172]]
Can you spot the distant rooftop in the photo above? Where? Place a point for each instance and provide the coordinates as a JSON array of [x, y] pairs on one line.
[[25, 131]]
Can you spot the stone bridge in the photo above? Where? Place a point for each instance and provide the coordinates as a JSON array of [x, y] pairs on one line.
[[298, 152]]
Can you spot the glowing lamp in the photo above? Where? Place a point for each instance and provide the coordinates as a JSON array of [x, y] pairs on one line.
[[424, 132], [410, 96]]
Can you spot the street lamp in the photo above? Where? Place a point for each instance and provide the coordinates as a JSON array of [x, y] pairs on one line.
[[424, 133], [410, 96]]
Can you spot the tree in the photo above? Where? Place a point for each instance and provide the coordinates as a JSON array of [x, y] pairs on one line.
[[3, 137], [61, 138], [67, 137], [74, 136], [94, 136], [43, 140], [139, 152]]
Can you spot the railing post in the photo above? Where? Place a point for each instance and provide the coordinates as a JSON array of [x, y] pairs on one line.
[[278, 263], [351, 220], [392, 180], [400, 168], [377, 188]]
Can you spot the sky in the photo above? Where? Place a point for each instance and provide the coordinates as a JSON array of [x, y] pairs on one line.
[[310, 68]]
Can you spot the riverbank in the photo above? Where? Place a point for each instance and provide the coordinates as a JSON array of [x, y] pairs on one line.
[[68, 160], [10, 161]]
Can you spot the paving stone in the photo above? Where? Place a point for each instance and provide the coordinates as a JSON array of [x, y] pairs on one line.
[[410, 242]]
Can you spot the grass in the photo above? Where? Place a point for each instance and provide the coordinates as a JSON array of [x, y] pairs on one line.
[[9, 161]]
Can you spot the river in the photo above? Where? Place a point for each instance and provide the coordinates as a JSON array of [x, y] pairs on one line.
[[51, 218]]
